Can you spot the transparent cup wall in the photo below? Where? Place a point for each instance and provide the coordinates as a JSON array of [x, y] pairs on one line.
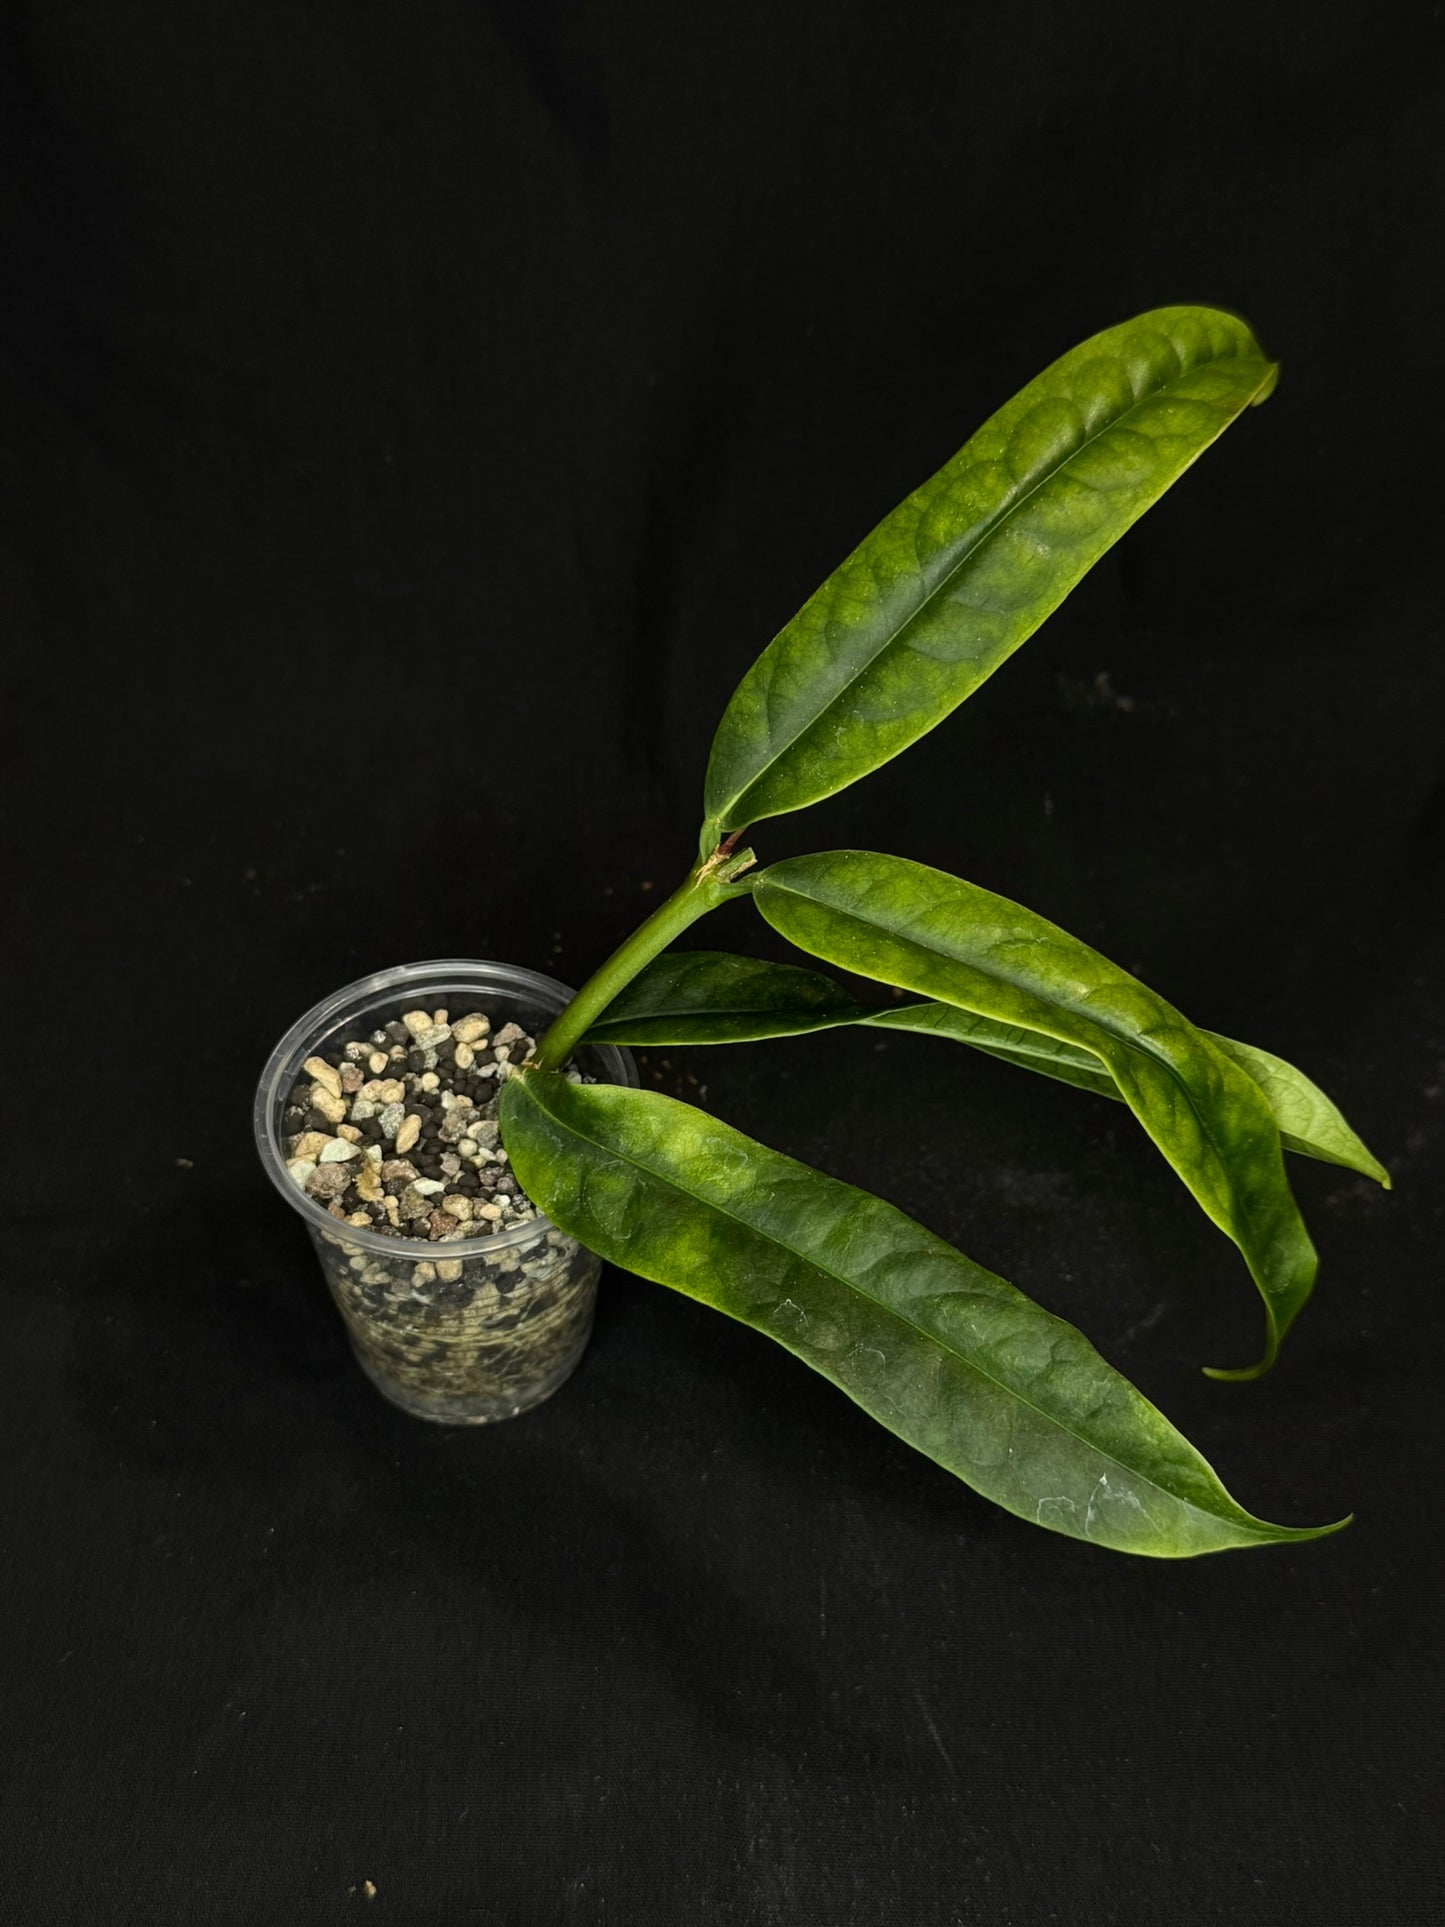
[[471, 1329]]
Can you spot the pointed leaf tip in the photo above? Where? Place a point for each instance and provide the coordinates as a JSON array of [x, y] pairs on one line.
[[1240, 1374]]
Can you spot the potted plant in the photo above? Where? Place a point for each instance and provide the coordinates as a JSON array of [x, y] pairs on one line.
[[376, 1117], [951, 1358]]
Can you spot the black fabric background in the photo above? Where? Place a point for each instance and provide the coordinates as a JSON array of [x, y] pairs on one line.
[[415, 421]]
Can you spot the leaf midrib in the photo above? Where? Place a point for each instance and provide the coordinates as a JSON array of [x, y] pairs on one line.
[[987, 532], [1062, 1043], [720, 1010], [932, 1338]]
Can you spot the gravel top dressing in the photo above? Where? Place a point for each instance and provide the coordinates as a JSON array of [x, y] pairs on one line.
[[397, 1133]]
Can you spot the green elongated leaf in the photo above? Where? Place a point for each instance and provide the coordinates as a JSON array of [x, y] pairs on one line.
[[714, 997], [906, 924], [961, 1365], [1030, 1049], [1308, 1122], [961, 573]]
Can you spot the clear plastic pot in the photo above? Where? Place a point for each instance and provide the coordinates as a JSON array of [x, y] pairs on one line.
[[475, 1328]]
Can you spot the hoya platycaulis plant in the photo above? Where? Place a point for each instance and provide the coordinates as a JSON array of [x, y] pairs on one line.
[[960, 1364]]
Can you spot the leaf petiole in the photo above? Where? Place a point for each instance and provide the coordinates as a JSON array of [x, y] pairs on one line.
[[711, 881]]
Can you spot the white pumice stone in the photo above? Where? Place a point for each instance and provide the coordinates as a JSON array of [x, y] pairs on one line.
[[324, 1073], [331, 1106]]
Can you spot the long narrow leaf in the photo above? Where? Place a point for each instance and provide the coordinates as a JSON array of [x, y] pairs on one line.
[[961, 1365], [1309, 1124], [714, 997], [961, 573], [906, 924]]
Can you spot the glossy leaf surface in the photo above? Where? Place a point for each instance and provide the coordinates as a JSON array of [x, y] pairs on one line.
[[714, 997], [906, 924], [952, 1359], [1308, 1121], [961, 573]]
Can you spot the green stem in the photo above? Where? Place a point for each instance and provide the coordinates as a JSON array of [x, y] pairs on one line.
[[710, 882]]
